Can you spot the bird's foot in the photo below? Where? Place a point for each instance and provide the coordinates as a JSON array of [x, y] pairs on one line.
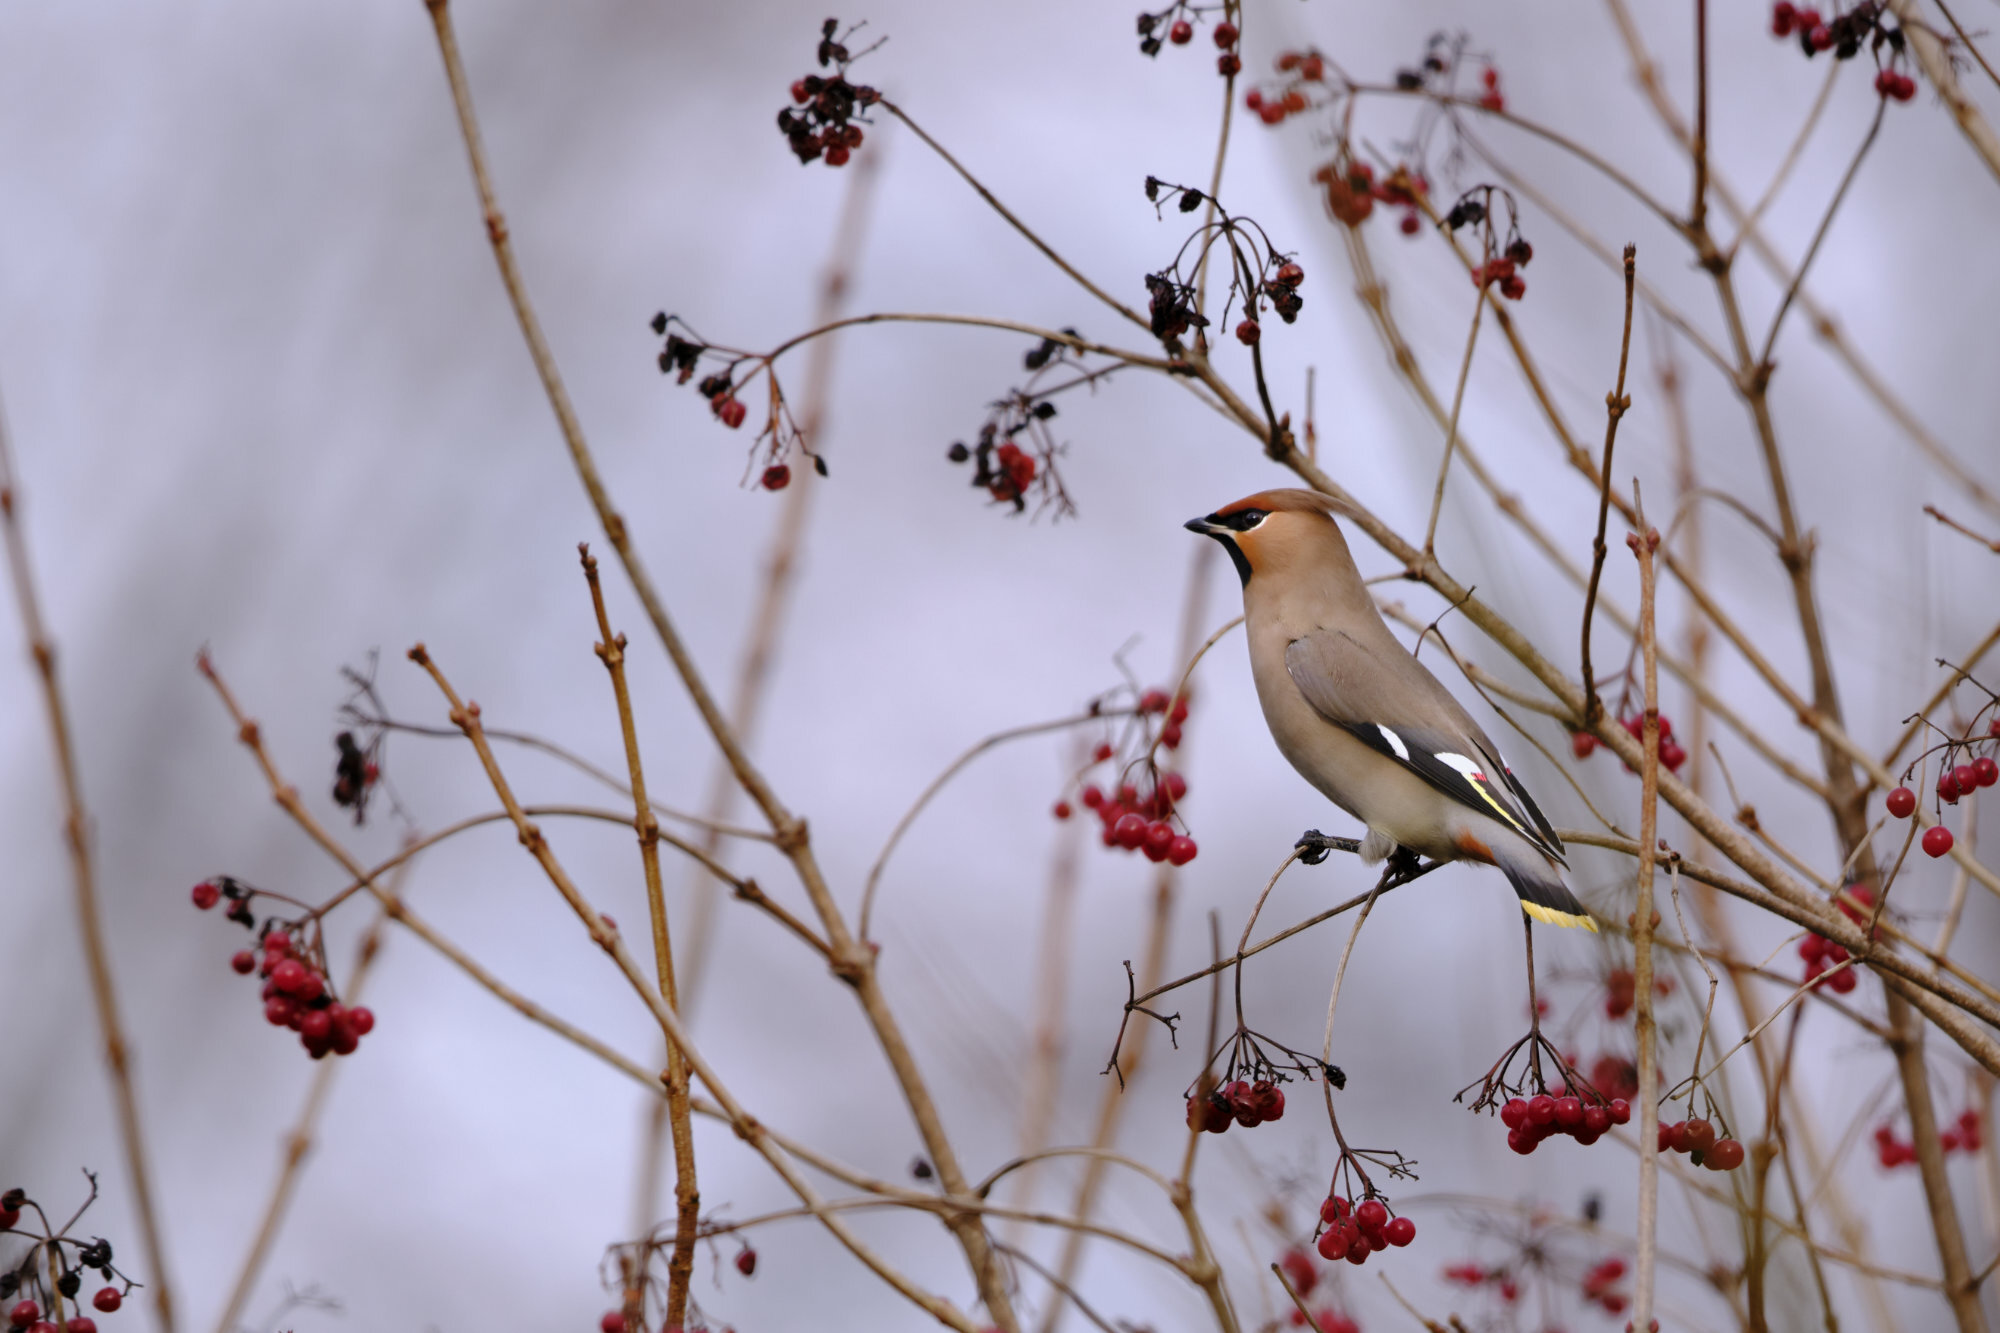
[[1313, 846]]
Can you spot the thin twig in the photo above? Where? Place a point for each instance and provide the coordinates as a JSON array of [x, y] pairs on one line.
[[83, 882], [1644, 543], [1616, 404], [1451, 430], [687, 1195]]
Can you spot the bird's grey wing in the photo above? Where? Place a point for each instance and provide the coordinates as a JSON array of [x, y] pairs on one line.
[[1397, 712]]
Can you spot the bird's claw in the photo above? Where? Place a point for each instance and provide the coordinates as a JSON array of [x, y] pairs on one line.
[[1313, 846]]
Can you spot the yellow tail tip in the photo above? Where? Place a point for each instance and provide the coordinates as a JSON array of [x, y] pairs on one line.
[[1548, 916]]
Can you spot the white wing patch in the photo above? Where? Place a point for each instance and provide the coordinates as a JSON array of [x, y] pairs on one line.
[[1474, 776], [1465, 766], [1395, 743]]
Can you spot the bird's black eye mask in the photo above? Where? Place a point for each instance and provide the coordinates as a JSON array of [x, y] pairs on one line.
[[1241, 521]]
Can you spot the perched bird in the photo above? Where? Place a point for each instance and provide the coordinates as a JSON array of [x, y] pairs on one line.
[[1361, 718]]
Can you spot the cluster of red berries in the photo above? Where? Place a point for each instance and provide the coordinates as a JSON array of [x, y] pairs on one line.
[[1236, 1103], [1503, 271], [1282, 290], [1621, 990], [1964, 1136], [1355, 1232], [1964, 779], [1953, 782], [1583, 745], [27, 1316], [1598, 1284], [1141, 825], [1290, 98], [1529, 1120], [1843, 34], [824, 126], [1179, 30], [1822, 955], [1697, 1138], [297, 993], [1352, 193], [1472, 1275]]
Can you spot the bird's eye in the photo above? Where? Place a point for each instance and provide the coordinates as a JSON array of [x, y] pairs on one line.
[[1247, 519]]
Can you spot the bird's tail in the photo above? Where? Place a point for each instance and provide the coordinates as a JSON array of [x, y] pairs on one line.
[[1544, 896]]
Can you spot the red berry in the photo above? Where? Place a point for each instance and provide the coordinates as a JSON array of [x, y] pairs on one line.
[[1225, 35], [1885, 82], [777, 477], [1947, 787], [1697, 1136], [1985, 772], [1312, 69], [1170, 735], [1515, 1113], [1181, 33], [290, 975], [1248, 332], [1411, 224], [1092, 797], [206, 895], [1968, 779], [1159, 837], [837, 155], [1101, 753], [1672, 755], [1843, 982], [1371, 1215], [278, 1012], [1569, 1112], [1541, 1110], [1514, 288], [1176, 785], [316, 1026], [1596, 1119], [1228, 65], [1181, 851], [1062, 810], [1621, 1111], [107, 1300], [613, 1322], [1271, 113], [1522, 1140], [361, 1019], [1332, 1244], [1333, 1209], [244, 962], [1253, 99], [1901, 803], [1400, 1231], [1129, 831], [1821, 37], [746, 1261], [1726, 1155], [1937, 840], [24, 1314], [731, 409], [82, 1323], [1782, 17], [1669, 1137]]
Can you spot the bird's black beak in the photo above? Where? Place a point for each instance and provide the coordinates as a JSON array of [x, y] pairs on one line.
[[1207, 527]]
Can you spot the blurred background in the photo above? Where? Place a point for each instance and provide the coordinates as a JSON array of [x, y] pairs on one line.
[[266, 396]]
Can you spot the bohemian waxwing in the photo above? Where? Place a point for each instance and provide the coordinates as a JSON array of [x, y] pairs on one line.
[[1362, 720]]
